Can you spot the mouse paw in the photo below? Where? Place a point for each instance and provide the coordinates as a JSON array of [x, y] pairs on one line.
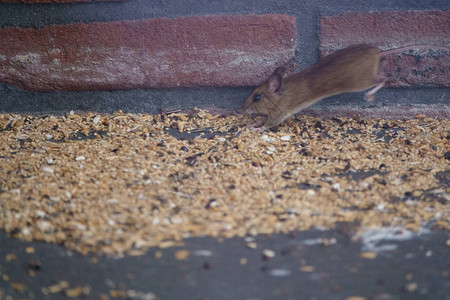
[[259, 129], [256, 128], [369, 97]]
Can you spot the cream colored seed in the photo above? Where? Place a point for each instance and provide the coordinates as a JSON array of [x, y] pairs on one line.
[[138, 187]]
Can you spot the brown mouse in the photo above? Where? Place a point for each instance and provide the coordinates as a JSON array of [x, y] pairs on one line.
[[353, 69]]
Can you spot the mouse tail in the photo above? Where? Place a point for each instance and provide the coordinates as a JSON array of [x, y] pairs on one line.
[[413, 47]]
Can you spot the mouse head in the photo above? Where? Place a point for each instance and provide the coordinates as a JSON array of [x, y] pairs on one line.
[[266, 96]]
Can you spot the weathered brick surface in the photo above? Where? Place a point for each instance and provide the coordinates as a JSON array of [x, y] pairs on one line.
[[235, 50], [393, 30]]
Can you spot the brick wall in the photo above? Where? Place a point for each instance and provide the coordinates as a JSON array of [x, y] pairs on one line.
[[236, 46], [156, 53], [391, 30]]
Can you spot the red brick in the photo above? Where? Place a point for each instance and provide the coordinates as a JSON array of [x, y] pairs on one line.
[[393, 30], [236, 50]]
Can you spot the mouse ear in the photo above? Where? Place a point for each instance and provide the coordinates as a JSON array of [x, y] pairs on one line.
[[281, 70], [275, 82], [276, 78]]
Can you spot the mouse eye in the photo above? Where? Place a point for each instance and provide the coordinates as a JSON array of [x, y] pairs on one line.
[[256, 97]]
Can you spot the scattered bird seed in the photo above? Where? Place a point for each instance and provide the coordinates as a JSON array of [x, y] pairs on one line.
[[182, 254], [280, 272], [267, 253], [368, 255], [144, 187], [307, 269], [80, 158]]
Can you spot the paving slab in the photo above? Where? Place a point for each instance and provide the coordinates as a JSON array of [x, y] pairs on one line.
[[305, 265]]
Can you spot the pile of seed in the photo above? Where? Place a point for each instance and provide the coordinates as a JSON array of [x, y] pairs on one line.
[[122, 183]]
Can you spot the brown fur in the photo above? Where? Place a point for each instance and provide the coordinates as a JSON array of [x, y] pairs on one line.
[[352, 69]]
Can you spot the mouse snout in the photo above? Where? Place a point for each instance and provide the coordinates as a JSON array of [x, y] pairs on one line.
[[244, 108], [239, 110], [247, 109]]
